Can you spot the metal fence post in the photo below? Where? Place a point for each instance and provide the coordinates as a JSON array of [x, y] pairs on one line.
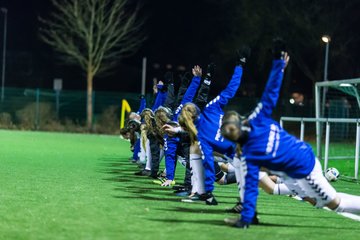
[[357, 150], [327, 140], [318, 124], [302, 130], [57, 104], [37, 109]]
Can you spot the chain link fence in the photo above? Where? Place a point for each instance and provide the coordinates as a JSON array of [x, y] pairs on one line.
[[43, 109]]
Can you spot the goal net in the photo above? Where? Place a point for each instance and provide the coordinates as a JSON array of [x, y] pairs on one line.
[[337, 105]]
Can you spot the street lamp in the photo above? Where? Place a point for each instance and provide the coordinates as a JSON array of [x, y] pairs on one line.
[[4, 11], [326, 39]]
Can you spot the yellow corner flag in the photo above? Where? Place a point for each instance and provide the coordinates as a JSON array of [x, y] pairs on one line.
[[125, 108]]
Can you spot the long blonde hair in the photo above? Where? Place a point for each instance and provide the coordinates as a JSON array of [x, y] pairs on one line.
[[161, 118], [143, 135], [148, 120], [186, 119]]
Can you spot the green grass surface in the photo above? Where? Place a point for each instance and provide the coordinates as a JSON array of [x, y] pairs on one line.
[[68, 186]]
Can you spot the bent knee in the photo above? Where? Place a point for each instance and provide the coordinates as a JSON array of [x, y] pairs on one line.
[[334, 204]]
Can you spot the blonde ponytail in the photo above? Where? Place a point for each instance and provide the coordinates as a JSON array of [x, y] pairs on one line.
[[143, 136], [186, 118], [149, 124], [161, 119]]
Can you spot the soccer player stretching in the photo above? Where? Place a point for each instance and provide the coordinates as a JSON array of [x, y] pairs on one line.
[[204, 131], [265, 144]]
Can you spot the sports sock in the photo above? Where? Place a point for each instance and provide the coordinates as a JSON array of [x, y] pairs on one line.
[[142, 154], [148, 163], [281, 189], [148, 155], [349, 203], [240, 178], [193, 178], [198, 171]]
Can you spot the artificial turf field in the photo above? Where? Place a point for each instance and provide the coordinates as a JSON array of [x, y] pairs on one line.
[[71, 186]]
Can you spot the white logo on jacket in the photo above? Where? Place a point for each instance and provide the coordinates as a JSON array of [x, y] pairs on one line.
[[218, 136]]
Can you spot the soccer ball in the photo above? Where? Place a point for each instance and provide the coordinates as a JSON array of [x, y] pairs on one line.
[[332, 174]]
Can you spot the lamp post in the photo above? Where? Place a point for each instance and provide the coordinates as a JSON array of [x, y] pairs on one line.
[[326, 39], [321, 111], [4, 11]]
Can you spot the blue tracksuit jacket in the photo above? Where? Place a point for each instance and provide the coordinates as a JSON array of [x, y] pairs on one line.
[[268, 145], [208, 126], [171, 143], [160, 98], [142, 105]]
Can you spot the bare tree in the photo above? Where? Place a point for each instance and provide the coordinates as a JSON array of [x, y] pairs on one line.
[[93, 34]]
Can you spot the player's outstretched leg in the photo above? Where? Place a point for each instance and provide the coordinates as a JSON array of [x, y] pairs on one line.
[[316, 186]]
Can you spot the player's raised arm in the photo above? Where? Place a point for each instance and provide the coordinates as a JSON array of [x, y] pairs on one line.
[[194, 85], [202, 96], [142, 104], [229, 92], [191, 91], [272, 89], [160, 96]]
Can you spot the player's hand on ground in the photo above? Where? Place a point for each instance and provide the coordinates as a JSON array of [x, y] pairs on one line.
[[197, 71]]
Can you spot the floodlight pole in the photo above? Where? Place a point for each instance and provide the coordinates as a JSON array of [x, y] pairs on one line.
[[327, 46], [321, 112], [4, 11], [143, 77]]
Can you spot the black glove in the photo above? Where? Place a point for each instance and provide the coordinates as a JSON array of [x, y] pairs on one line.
[[162, 88], [279, 48], [243, 55], [142, 96], [210, 73], [241, 224], [210, 70]]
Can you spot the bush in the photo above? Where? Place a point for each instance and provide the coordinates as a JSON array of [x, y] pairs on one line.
[[6, 120], [74, 127], [108, 121], [53, 126], [26, 117]]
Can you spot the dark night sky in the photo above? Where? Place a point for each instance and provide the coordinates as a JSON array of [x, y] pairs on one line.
[[169, 30], [179, 33]]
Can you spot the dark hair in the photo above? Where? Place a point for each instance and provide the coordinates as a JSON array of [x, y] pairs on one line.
[[124, 131], [230, 114]]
